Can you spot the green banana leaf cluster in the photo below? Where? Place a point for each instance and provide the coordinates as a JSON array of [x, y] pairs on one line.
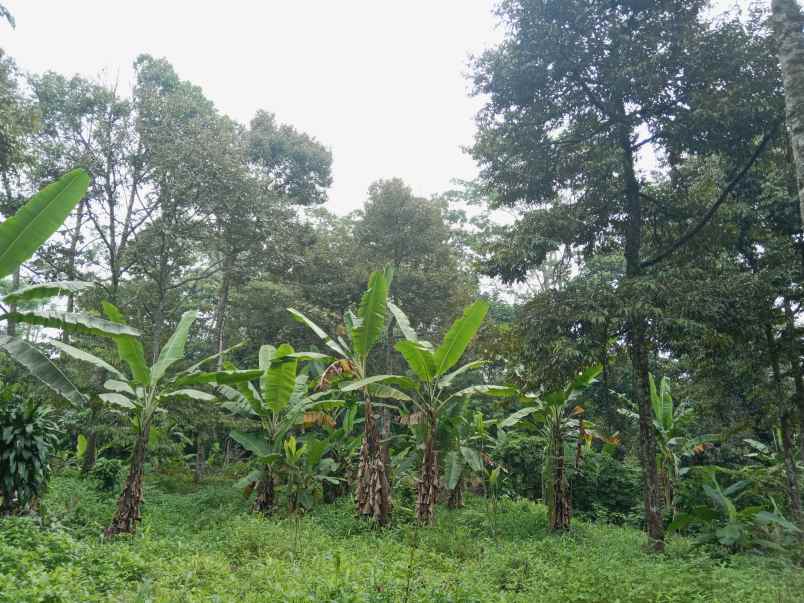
[[20, 237]]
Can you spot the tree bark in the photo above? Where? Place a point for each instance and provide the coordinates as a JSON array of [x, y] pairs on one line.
[[794, 355], [787, 23], [220, 310], [786, 423], [559, 502], [373, 496], [455, 499], [264, 502], [637, 335], [128, 505], [427, 486]]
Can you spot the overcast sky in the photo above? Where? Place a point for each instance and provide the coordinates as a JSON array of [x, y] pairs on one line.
[[380, 82]]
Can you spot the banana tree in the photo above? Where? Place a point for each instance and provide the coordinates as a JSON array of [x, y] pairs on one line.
[[467, 438], [20, 237], [363, 331], [281, 404], [558, 417], [144, 391], [673, 444], [432, 392]]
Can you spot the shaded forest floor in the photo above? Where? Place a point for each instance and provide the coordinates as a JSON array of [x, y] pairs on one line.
[[202, 544]]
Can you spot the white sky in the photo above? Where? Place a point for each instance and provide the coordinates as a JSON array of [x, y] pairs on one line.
[[380, 82]]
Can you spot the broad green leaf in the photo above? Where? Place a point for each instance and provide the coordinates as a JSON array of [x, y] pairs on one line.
[[473, 459], [253, 442], [81, 446], [74, 322], [766, 517], [129, 348], [249, 480], [371, 313], [173, 350], [420, 360], [219, 377], [403, 322], [386, 392], [46, 291], [192, 394], [121, 387], [41, 367], [117, 399], [447, 379], [359, 384], [33, 224], [308, 356], [74, 352], [516, 417], [498, 391], [280, 379], [454, 464], [328, 341], [458, 337], [265, 356]]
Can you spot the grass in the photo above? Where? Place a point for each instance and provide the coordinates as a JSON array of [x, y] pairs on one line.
[[202, 544]]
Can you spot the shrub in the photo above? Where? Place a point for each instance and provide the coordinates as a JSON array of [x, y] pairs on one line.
[[606, 489], [27, 437], [107, 473]]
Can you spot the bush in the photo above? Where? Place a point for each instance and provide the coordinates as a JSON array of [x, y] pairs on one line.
[[27, 437], [107, 473], [606, 489]]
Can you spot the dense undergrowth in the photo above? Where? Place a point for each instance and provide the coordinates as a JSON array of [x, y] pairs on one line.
[[203, 544]]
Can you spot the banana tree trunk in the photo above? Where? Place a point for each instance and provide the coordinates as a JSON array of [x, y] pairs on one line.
[[128, 505], [373, 497], [559, 501], [427, 486], [264, 502], [455, 499]]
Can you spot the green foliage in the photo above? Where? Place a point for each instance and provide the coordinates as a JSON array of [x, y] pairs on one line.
[[204, 545], [23, 233], [722, 517], [28, 434], [107, 473]]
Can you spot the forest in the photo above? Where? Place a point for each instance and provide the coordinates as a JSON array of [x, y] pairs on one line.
[[577, 377]]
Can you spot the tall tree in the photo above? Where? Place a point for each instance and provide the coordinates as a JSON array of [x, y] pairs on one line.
[[576, 92], [788, 22]]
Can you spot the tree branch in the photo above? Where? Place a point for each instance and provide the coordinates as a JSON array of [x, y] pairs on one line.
[[707, 217]]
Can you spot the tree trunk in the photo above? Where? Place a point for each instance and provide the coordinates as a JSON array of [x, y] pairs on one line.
[[787, 23], [128, 505], [637, 339], [264, 502], [220, 310], [90, 454], [427, 486], [72, 273], [794, 354], [200, 461], [786, 423], [559, 501], [455, 499], [373, 496]]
